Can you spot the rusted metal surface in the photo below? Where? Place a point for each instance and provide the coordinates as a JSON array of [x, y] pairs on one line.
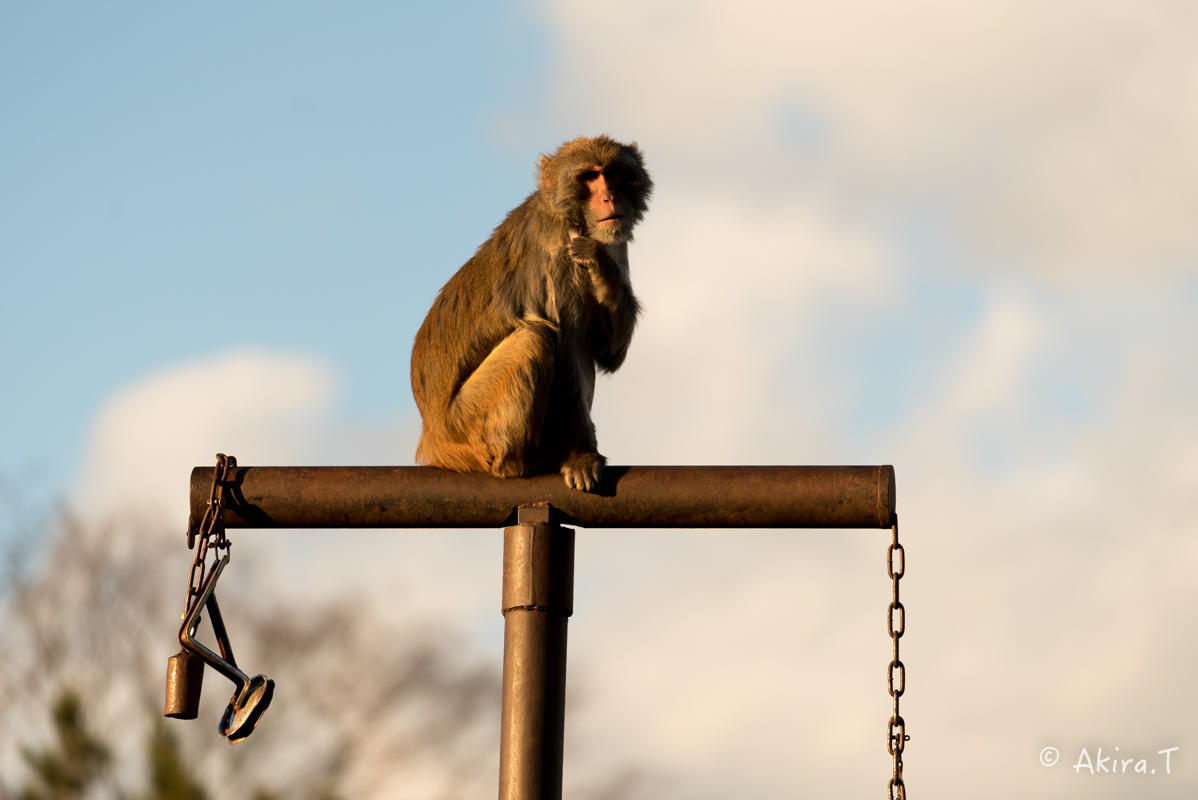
[[538, 576], [538, 598], [628, 497], [184, 681]]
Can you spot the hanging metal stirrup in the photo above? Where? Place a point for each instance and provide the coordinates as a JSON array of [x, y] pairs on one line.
[[185, 671], [896, 673]]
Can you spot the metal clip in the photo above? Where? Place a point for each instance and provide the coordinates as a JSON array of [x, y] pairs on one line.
[[252, 695]]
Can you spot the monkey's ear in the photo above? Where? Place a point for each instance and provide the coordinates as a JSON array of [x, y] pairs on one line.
[[542, 170]]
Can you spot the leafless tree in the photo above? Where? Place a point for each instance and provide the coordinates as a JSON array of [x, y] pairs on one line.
[[362, 707]]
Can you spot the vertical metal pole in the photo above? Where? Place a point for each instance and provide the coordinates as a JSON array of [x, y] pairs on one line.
[[538, 599]]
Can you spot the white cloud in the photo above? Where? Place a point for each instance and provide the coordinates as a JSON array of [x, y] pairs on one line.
[[1059, 133], [262, 407], [276, 409], [1048, 601], [987, 384], [1047, 470], [991, 368], [731, 295]]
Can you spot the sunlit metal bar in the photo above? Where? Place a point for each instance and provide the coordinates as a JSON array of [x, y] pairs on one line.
[[629, 497]]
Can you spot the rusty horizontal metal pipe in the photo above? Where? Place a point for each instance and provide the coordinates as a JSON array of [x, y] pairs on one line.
[[628, 497]]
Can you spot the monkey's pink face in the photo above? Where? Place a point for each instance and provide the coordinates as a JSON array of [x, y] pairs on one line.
[[606, 209]]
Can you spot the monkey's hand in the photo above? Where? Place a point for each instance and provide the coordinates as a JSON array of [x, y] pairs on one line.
[[605, 273], [582, 471], [585, 252]]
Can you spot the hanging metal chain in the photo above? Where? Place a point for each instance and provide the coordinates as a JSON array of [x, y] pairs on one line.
[[896, 733], [211, 530]]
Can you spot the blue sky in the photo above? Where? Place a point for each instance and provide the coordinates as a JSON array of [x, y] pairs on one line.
[[178, 182], [955, 238]]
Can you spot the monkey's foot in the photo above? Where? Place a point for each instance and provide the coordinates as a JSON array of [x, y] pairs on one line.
[[583, 470]]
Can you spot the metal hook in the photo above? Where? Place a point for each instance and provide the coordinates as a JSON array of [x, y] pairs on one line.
[[252, 695]]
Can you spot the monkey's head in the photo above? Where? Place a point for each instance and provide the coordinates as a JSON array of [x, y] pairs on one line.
[[596, 185]]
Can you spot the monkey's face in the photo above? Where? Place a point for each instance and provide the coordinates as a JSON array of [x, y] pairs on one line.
[[605, 205]]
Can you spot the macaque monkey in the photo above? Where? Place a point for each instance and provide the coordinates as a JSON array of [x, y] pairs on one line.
[[503, 368]]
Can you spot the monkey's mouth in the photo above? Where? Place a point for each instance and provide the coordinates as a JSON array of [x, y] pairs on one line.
[[612, 218]]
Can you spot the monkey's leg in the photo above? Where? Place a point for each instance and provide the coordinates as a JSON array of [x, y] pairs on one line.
[[501, 408], [568, 438]]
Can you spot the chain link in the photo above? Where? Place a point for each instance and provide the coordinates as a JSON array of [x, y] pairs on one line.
[[210, 532], [896, 728]]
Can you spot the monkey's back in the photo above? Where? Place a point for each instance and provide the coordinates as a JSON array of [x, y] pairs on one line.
[[522, 271]]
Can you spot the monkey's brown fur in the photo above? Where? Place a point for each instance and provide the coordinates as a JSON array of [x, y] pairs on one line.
[[503, 368]]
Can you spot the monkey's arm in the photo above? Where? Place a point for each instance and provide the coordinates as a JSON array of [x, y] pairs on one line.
[[617, 307]]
